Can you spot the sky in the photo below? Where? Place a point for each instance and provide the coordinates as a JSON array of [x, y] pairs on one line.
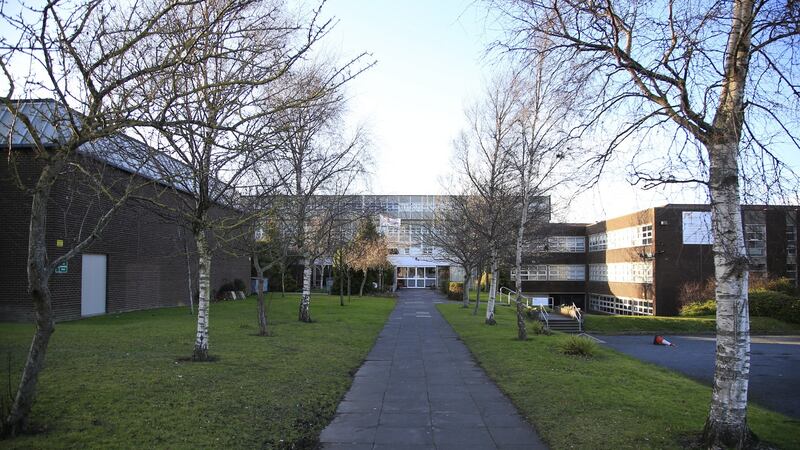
[[431, 64]]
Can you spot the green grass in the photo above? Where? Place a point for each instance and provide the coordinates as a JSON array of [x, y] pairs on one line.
[[608, 401], [118, 381], [596, 323]]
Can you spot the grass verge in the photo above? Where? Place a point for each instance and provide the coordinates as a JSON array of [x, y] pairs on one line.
[[597, 323], [608, 401], [118, 381]]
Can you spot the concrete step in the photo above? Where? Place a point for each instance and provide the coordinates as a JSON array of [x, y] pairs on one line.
[[565, 326]]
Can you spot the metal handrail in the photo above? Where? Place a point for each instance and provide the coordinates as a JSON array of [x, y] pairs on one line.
[[543, 314], [509, 293], [578, 317]]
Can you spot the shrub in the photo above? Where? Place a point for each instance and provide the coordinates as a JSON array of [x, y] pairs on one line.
[[769, 303], [695, 291], [579, 346], [537, 327], [701, 308], [455, 290], [783, 285]]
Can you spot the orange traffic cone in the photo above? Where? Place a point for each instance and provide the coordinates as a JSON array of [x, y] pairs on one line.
[[660, 340]]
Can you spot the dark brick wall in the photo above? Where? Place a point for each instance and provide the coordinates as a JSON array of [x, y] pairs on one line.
[[146, 262]]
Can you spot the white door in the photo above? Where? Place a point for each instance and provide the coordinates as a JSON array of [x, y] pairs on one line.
[[93, 285]]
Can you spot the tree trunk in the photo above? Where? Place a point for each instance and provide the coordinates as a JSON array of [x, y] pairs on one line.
[[363, 282], [349, 279], [200, 352], [189, 274], [262, 312], [38, 279], [726, 425], [522, 332], [492, 290], [478, 293], [283, 282], [305, 299], [341, 287], [467, 277]]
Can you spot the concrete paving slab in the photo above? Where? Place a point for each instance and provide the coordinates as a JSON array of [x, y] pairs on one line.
[[420, 389]]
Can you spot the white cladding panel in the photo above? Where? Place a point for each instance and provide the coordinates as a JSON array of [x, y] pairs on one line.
[[697, 228]]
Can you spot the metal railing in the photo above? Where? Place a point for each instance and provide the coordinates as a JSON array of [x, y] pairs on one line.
[[511, 296]]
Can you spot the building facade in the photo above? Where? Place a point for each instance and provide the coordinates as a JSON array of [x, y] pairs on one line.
[[138, 262], [637, 264]]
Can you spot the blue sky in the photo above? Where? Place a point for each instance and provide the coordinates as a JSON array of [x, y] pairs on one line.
[[431, 63]]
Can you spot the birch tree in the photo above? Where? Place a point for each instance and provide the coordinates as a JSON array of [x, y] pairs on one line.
[[94, 61], [485, 167], [321, 163], [541, 156], [460, 243], [714, 80]]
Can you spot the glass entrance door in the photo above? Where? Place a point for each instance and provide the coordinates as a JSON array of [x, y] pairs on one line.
[[416, 277]]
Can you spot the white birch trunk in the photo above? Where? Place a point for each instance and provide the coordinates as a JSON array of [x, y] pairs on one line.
[[304, 314], [492, 290], [727, 420], [522, 332], [467, 278], [200, 352]]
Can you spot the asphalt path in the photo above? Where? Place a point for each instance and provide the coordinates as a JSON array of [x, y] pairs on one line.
[[774, 364]]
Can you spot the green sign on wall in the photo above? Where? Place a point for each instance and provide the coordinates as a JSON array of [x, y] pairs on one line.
[[62, 268]]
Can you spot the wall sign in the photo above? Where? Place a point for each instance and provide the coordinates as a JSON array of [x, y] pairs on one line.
[[62, 268]]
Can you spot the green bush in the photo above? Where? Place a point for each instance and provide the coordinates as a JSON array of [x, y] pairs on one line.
[[769, 303], [455, 290], [702, 308], [762, 302], [537, 327], [784, 285], [578, 346]]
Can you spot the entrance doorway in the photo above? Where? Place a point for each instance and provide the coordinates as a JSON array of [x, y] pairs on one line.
[[93, 285], [416, 277]]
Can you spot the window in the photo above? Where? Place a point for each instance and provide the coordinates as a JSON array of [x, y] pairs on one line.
[[555, 272], [394, 251], [598, 272], [631, 272], [755, 235], [791, 241], [566, 272], [620, 305], [427, 250], [622, 238], [597, 242], [406, 250], [566, 244]]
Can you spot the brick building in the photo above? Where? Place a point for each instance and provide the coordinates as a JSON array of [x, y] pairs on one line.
[[636, 264], [139, 262]]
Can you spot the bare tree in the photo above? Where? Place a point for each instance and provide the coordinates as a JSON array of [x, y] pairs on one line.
[[460, 243], [483, 157], [321, 164], [220, 108], [95, 61], [545, 106], [717, 82]]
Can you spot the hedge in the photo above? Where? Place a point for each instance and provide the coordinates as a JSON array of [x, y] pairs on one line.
[[762, 302]]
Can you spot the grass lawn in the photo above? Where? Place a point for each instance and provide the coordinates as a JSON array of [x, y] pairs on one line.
[[597, 323], [609, 401], [118, 381]]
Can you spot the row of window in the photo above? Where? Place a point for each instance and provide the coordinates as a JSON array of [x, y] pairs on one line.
[[622, 238], [624, 272], [551, 272], [566, 244], [620, 305]]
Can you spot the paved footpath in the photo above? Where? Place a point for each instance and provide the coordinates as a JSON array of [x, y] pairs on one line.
[[420, 389]]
